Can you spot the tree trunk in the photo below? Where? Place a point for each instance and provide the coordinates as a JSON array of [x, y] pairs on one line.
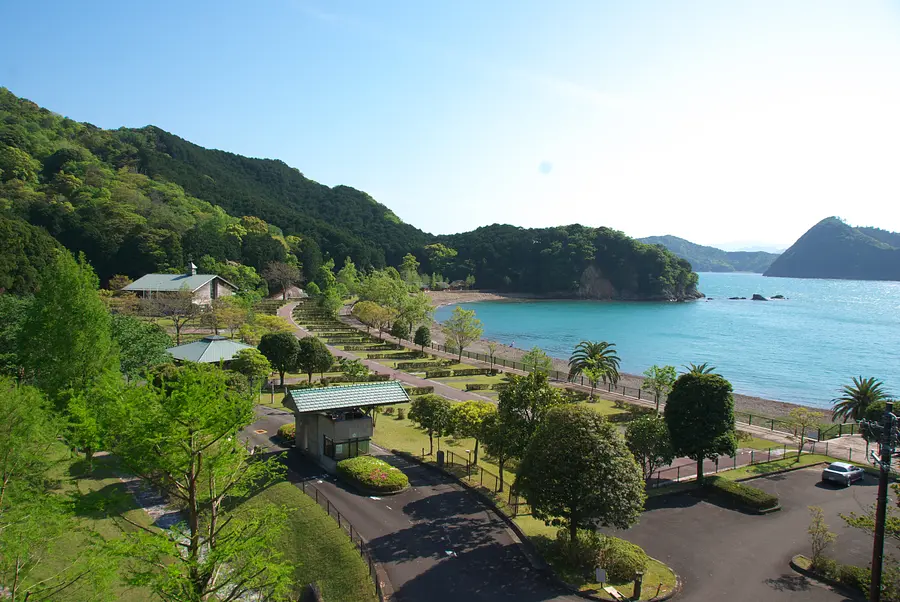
[[593, 384], [657, 403], [476, 452], [281, 376], [459, 358], [700, 470], [500, 464], [800, 447], [177, 325], [309, 376], [89, 456], [430, 442], [573, 534]]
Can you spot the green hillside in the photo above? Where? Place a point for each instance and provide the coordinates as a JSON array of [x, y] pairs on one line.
[[143, 200], [711, 259], [834, 249]]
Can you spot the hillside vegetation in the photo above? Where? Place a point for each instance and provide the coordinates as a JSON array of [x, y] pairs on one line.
[[143, 200], [711, 259], [834, 249]]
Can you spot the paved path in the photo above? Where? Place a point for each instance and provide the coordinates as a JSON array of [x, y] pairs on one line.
[[436, 541], [287, 312]]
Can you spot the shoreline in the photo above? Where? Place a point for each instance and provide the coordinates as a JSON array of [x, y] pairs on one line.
[[742, 403]]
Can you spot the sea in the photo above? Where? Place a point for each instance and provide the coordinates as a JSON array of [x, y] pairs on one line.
[[801, 349]]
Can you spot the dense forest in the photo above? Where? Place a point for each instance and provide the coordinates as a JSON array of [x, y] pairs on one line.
[[711, 259], [834, 249], [143, 200]]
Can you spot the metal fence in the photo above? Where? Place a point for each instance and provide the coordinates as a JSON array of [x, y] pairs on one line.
[[674, 474], [358, 542]]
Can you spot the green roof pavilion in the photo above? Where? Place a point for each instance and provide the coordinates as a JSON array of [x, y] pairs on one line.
[[210, 349]]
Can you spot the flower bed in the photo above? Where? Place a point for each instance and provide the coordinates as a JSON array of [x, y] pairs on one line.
[[373, 474]]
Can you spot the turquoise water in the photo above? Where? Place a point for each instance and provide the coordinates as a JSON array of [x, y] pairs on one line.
[[799, 350]]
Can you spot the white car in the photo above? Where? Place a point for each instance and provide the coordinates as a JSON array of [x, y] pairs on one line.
[[843, 473]]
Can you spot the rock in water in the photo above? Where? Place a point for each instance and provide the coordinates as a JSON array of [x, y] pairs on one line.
[[778, 296], [758, 297]]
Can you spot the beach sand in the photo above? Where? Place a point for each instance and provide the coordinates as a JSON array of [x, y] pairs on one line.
[[742, 403]]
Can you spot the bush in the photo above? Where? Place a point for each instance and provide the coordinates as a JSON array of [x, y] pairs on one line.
[[418, 365], [587, 550], [401, 414], [438, 373], [413, 391], [854, 576], [478, 387], [388, 411], [622, 559], [471, 372], [499, 386], [372, 474], [288, 431], [745, 495]]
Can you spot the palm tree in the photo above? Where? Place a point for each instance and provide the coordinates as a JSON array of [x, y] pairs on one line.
[[857, 398], [703, 368], [600, 358]]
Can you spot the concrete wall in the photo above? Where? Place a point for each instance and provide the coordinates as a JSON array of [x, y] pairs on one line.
[[360, 428], [203, 295]]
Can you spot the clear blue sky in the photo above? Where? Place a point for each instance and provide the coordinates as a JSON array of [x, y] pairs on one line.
[[716, 121]]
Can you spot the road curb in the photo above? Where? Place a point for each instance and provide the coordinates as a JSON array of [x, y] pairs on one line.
[[836, 585]]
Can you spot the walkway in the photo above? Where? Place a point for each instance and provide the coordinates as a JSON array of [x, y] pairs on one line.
[[436, 541]]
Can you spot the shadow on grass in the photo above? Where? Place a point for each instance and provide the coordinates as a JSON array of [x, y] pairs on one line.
[[107, 502]]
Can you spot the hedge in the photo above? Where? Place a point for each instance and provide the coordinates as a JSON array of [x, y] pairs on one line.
[[373, 474], [499, 386], [411, 355], [419, 365], [371, 347], [622, 559], [288, 431], [478, 387], [438, 373], [412, 391], [745, 495], [474, 372], [576, 394]]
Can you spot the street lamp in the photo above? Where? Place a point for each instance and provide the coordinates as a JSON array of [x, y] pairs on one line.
[[887, 433]]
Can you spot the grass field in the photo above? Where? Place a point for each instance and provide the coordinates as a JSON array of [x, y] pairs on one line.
[[761, 444], [604, 407]]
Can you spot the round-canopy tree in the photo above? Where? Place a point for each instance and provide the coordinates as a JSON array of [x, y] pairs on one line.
[[577, 472], [280, 349], [422, 337], [700, 417], [313, 356]]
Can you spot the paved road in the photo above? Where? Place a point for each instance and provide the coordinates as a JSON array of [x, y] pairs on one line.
[[287, 312], [436, 541], [723, 554]]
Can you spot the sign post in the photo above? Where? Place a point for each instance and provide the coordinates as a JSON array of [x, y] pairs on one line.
[[600, 575]]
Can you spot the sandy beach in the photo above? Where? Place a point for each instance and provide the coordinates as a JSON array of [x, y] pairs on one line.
[[743, 403]]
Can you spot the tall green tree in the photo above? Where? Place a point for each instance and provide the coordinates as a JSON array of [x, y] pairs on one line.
[[523, 403], [599, 355], [432, 413], [281, 350], [330, 301], [802, 420], [648, 440], [500, 436], [313, 356], [659, 380], [252, 364], [422, 337], [348, 276], [536, 360], [66, 341], [13, 310], [467, 419], [180, 436], [409, 269], [400, 329], [141, 345], [700, 417], [856, 398], [704, 368], [578, 472], [462, 328]]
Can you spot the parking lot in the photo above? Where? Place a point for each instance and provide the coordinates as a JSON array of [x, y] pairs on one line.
[[723, 554]]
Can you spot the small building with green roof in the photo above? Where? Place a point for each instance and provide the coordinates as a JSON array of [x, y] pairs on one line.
[[210, 349], [335, 423]]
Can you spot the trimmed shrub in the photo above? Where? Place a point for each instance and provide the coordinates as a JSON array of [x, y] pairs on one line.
[[587, 550], [372, 347], [401, 414], [499, 386], [575, 394], [854, 576], [478, 386], [744, 495], [372, 474], [471, 372], [288, 431], [419, 365], [413, 391], [438, 373], [622, 559], [407, 355]]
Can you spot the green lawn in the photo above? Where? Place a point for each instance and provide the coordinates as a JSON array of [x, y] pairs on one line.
[[761, 444], [319, 550], [604, 407], [774, 466]]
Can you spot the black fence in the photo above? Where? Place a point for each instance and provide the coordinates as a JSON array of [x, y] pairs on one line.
[[358, 542]]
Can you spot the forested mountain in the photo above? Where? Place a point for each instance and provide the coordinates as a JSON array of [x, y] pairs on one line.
[[834, 249], [143, 200], [711, 259]]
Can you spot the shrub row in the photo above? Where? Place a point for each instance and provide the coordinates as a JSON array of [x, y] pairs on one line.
[[499, 386], [373, 474], [474, 372], [420, 365], [371, 347], [575, 394], [369, 378], [409, 355], [846, 574], [438, 373], [744, 495], [478, 386], [411, 391]]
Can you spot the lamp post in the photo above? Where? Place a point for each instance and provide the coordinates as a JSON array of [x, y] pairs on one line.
[[887, 433]]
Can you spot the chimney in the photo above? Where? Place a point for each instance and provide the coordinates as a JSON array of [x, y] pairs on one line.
[[192, 269]]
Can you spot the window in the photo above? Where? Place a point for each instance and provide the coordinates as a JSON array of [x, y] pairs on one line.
[[329, 447], [345, 449], [837, 468]]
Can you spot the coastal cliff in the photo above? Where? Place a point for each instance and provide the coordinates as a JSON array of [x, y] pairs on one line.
[[834, 249]]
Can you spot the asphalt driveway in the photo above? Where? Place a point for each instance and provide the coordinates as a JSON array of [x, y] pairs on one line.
[[723, 554]]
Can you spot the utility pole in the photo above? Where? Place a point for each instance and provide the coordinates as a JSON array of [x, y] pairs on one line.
[[887, 437]]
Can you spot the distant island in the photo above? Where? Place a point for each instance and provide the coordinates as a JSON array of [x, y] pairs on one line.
[[834, 249], [711, 259], [142, 200]]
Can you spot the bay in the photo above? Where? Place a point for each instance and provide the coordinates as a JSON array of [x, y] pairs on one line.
[[801, 350]]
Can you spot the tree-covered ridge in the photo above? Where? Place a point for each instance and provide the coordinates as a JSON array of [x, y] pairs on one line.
[[711, 259], [137, 201], [834, 249], [570, 260]]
